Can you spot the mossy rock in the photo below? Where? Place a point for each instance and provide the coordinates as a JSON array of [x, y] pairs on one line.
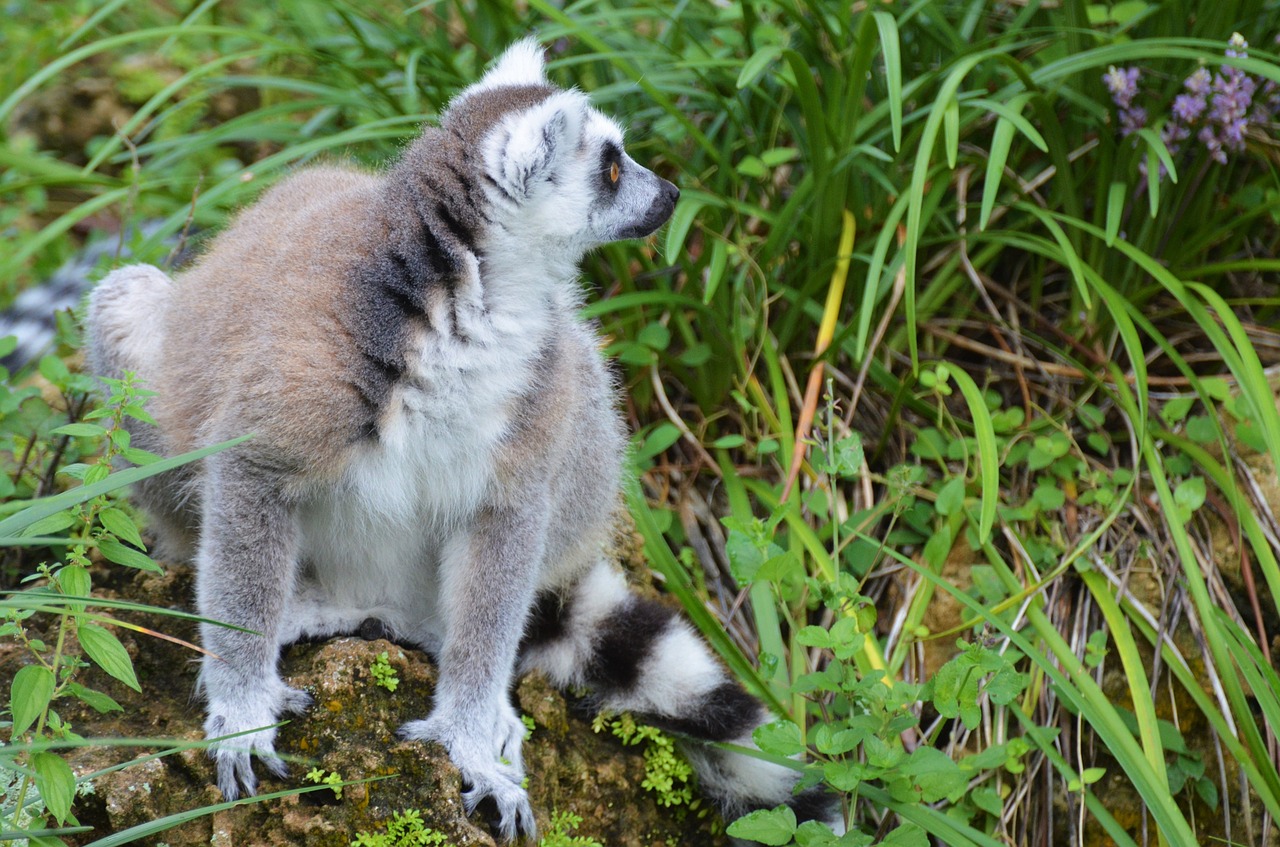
[[351, 732]]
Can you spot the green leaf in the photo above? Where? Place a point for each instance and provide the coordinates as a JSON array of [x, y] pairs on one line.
[[56, 783], [29, 694], [906, 835], [988, 800], [988, 454], [50, 525], [120, 525], [1049, 497], [753, 67], [891, 48], [663, 436], [935, 773], [1176, 409], [1202, 429], [681, 222], [654, 336], [813, 636], [951, 131], [96, 700], [766, 826], [1115, 210], [937, 548], [117, 552], [780, 738], [74, 581], [951, 497], [80, 430], [1189, 495], [108, 653]]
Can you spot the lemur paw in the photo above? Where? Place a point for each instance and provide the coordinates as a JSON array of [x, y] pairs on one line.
[[490, 761], [233, 756]]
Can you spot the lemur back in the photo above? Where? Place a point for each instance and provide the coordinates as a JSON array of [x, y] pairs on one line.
[[436, 444]]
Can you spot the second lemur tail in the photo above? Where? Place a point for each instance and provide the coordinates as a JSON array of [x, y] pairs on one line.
[[636, 655]]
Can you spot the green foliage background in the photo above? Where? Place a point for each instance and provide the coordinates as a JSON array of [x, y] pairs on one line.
[[921, 336]]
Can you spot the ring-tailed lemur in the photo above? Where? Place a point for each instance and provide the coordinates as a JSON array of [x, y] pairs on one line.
[[436, 440]]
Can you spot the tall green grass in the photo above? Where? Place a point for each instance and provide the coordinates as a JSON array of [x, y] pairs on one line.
[[1051, 382]]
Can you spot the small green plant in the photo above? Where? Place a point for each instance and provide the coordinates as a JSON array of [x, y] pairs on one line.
[[667, 774], [405, 829], [47, 785], [383, 674], [560, 832], [330, 778]]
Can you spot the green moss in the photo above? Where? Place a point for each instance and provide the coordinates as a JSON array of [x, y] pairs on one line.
[[405, 829], [667, 774]]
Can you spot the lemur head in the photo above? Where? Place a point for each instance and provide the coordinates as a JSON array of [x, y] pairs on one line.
[[554, 167]]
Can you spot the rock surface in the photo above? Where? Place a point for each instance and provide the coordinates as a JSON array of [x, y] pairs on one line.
[[351, 732]]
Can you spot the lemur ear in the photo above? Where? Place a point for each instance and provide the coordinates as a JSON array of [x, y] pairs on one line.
[[521, 64], [524, 153]]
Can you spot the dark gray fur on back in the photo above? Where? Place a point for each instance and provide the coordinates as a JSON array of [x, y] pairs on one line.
[[434, 207]]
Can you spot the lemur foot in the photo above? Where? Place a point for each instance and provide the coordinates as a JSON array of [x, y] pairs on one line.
[[490, 762], [233, 756]]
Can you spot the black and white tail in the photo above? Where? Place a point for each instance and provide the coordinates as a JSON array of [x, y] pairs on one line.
[[636, 655]]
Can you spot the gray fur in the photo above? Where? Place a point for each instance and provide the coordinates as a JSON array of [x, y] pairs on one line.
[[436, 441]]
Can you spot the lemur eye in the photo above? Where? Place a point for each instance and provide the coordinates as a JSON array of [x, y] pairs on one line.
[[614, 173]]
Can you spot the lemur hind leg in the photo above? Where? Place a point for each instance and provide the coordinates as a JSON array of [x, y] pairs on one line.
[[637, 655]]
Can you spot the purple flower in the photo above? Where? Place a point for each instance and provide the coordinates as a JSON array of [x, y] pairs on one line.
[[1211, 142], [1237, 46], [1132, 120], [1198, 83], [1188, 107], [1123, 84]]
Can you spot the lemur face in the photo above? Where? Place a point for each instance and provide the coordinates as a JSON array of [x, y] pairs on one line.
[[555, 166]]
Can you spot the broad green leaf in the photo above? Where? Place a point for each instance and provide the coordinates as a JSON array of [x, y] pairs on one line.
[[753, 67], [781, 738], [56, 783], [117, 552], [95, 699], [52, 524], [81, 430], [29, 694], [108, 653], [766, 826], [74, 581], [120, 525]]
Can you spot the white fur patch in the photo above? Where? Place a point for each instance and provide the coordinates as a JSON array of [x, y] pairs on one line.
[[126, 300], [529, 150], [375, 541], [522, 63], [677, 673]]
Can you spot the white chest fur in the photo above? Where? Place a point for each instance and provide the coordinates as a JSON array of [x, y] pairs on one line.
[[372, 540]]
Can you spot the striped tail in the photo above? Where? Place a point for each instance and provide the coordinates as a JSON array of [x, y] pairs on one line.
[[636, 655]]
